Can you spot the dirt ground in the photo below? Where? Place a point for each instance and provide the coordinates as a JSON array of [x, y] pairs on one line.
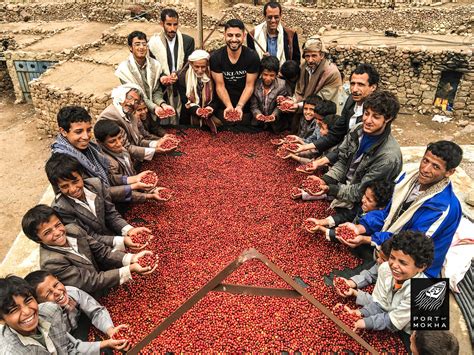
[[22, 158]]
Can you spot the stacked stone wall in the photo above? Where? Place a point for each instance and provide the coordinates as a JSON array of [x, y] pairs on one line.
[[99, 11], [413, 74], [458, 20], [48, 99]]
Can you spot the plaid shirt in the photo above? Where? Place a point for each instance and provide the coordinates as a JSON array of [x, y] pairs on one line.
[[51, 326]]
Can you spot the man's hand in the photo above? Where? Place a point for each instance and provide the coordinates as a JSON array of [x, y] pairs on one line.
[[135, 267], [116, 344], [295, 139], [352, 311], [141, 186], [160, 111], [168, 80], [210, 110], [155, 194], [322, 184], [137, 230], [360, 324], [352, 288], [304, 147], [353, 243], [111, 331], [239, 110], [351, 226]]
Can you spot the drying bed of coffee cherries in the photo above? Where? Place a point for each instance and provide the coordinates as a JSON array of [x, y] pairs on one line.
[[231, 193]]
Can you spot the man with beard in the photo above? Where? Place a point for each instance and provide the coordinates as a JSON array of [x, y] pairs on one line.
[[234, 69], [201, 102], [363, 82], [172, 49], [318, 77], [423, 201], [124, 101], [142, 70], [278, 41]]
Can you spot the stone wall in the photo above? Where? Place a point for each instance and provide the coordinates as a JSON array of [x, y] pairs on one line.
[[6, 84], [48, 99], [12, 56], [411, 20], [413, 74], [94, 11], [333, 4]]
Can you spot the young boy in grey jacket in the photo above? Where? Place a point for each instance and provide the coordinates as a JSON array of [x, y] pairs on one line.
[[389, 305], [30, 328], [74, 303]]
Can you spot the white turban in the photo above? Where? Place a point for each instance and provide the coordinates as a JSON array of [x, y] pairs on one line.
[[198, 54]]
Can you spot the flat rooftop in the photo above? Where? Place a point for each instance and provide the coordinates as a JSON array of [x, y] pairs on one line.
[[83, 33], [40, 26], [411, 41], [111, 54], [83, 77]]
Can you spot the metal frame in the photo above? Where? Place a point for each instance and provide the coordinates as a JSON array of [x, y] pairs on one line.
[[216, 285]]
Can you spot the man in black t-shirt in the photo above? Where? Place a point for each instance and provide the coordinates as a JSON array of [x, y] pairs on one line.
[[235, 69]]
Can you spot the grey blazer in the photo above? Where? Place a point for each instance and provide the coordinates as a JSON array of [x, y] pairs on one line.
[[50, 314], [94, 275], [133, 140], [105, 225]]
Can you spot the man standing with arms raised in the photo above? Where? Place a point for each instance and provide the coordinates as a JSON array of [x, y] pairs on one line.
[[172, 49], [234, 69], [277, 40]]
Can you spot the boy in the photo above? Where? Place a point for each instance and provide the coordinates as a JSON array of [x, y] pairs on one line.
[[290, 72], [86, 203], [146, 125], [323, 125], [74, 304], [76, 258], [433, 342], [369, 276], [389, 305], [74, 139], [29, 328], [267, 88], [376, 196]]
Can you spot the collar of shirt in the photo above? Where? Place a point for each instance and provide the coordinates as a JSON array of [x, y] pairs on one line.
[[171, 43], [358, 109], [271, 86], [72, 248], [90, 199], [309, 70], [275, 36], [141, 67], [43, 327]]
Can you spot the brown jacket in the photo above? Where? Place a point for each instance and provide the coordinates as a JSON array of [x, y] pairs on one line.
[[94, 275], [133, 141], [325, 82]]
